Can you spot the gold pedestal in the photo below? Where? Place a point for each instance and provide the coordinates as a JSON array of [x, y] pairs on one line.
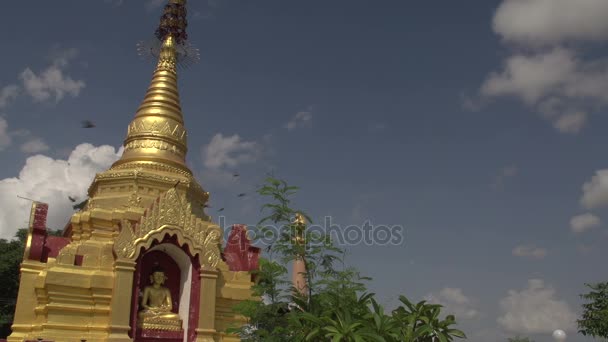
[[159, 323]]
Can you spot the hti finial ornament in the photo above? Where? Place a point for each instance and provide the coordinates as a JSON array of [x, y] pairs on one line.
[[173, 24]]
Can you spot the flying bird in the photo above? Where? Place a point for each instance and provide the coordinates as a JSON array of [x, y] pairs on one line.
[[80, 205], [88, 124], [220, 209], [72, 199], [235, 175], [242, 194]]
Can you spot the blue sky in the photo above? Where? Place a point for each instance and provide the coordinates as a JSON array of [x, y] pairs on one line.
[[474, 125]]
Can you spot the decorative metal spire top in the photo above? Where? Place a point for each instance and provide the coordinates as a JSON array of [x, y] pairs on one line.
[[173, 22], [157, 134]]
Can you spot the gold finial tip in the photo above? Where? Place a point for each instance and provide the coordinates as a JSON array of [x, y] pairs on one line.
[[299, 219], [169, 41]]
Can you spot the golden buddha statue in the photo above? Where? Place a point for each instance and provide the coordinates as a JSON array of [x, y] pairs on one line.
[[157, 305]]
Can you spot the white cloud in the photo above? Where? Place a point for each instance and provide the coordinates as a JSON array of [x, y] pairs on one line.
[[7, 94], [550, 78], [51, 181], [5, 137], [531, 77], [529, 251], [583, 222], [230, 151], [555, 83], [541, 22], [52, 82], [62, 57], [570, 122], [300, 119], [535, 310], [595, 191], [455, 303], [35, 145]]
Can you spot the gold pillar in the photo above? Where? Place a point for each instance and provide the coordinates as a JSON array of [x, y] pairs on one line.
[[205, 331], [121, 301], [25, 314]]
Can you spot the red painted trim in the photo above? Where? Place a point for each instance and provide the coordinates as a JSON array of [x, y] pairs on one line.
[[52, 246]]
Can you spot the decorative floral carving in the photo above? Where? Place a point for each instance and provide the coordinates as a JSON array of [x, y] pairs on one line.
[[124, 244], [212, 254], [172, 214], [178, 132], [157, 144], [148, 166], [130, 174], [134, 200]]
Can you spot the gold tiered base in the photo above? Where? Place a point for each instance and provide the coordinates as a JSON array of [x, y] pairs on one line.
[[159, 323]]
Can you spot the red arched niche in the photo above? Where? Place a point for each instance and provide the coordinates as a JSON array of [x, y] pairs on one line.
[[146, 262]]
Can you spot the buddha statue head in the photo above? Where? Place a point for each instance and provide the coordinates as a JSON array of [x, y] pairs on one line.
[[158, 277]]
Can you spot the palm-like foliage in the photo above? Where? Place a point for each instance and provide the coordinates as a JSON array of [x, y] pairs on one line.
[[421, 322], [337, 306]]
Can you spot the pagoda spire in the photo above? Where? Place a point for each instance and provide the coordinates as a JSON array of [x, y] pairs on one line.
[[298, 272], [157, 134]]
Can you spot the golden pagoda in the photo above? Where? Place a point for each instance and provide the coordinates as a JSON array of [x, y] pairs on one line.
[[141, 261]]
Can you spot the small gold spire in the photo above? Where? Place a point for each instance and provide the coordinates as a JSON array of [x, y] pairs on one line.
[[299, 219], [157, 133], [300, 222]]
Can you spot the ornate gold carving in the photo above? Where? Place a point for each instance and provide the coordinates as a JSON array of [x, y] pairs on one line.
[[134, 200], [172, 214], [212, 254], [157, 144], [123, 246], [130, 174], [161, 324], [167, 63], [151, 166], [139, 128]]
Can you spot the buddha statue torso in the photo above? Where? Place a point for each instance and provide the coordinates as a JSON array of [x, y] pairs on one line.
[[157, 306]]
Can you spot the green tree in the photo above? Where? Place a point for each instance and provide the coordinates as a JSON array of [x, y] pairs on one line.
[[337, 306], [594, 321], [421, 322], [11, 255]]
